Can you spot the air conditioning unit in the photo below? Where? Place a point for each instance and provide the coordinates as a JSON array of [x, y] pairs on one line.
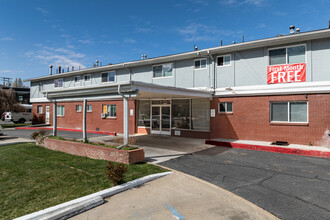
[[103, 115]]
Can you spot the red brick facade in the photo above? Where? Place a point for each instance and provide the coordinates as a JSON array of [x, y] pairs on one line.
[[73, 119], [250, 120]]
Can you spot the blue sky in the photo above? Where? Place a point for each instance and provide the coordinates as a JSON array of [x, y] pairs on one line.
[[37, 33]]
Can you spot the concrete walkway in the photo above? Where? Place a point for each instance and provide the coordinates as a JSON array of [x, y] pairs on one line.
[[159, 148], [176, 196]]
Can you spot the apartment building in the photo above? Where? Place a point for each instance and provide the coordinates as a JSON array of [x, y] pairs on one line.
[[274, 89]]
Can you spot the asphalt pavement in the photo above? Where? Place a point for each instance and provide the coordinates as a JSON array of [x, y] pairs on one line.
[[288, 186]]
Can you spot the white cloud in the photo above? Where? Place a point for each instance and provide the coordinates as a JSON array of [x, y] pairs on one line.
[[42, 10], [200, 2], [57, 57], [199, 32], [242, 2], [11, 71], [129, 40], [6, 39], [65, 35], [143, 30], [85, 41]]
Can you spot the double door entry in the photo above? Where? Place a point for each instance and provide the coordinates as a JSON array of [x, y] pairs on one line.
[[161, 119]]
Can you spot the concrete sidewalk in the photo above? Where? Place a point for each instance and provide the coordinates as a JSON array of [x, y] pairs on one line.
[[8, 140], [313, 151], [176, 196]]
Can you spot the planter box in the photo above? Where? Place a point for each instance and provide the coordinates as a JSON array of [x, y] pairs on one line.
[[93, 151]]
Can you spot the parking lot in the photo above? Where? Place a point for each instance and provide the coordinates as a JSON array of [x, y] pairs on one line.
[[288, 186]]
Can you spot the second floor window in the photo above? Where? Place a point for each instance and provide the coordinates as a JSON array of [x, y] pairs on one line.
[[287, 55], [58, 83], [200, 64], [109, 76], [223, 60], [163, 70], [87, 78], [77, 79]]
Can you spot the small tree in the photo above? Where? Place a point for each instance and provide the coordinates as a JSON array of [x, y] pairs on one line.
[[8, 101]]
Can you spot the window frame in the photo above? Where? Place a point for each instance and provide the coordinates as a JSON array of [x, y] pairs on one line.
[[57, 87], [286, 54], [115, 78], [39, 112], [200, 64], [79, 109], [161, 77], [41, 86], [78, 81], [226, 112], [109, 116], [89, 110], [225, 55], [57, 112], [289, 119], [90, 77]]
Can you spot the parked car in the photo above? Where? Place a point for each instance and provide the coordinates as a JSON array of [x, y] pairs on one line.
[[20, 117], [1, 132]]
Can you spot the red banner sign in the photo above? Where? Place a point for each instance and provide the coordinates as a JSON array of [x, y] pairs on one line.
[[286, 73]]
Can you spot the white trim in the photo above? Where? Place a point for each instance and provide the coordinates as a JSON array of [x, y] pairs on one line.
[[223, 60], [200, 64], [36, 100], [286, 54], [275, 89]]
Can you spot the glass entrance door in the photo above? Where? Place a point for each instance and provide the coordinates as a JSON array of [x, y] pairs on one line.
[[161, 119]]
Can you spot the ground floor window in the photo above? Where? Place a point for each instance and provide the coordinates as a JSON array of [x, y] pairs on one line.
[[200, 114], [289, 111], [181, 114], [191, 114], [110, 110], [225, 107], [89, 108], [39, 109], [78, 108], [143, 113], [60, 110]]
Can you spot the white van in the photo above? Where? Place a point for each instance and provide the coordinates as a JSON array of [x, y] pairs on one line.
[[20, 117]]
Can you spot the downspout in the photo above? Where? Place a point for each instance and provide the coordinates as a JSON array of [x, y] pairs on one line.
[[213, 63], [129, 72]]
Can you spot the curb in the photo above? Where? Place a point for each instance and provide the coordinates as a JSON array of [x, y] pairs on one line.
[[76, 206], [275, 149], [67, 129]]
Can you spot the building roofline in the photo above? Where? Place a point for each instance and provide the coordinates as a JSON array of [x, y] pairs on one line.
[[285, 39]]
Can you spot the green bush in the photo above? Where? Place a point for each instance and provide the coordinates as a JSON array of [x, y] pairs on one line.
[[115, 172], [39, 133]]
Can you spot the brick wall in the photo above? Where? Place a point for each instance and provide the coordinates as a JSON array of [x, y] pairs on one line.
[[73, 119], [250, 120], [96, 152]]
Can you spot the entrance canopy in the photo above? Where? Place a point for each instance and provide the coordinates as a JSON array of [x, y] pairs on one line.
[[160, 116], [133, 89]]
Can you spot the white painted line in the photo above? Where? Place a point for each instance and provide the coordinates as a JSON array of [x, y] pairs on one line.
[[82, 204]]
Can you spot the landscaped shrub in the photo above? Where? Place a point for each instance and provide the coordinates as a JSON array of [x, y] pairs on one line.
[[115, 172], [39, 133]]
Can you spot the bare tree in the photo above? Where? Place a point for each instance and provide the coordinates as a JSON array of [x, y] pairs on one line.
[[8, 101]]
